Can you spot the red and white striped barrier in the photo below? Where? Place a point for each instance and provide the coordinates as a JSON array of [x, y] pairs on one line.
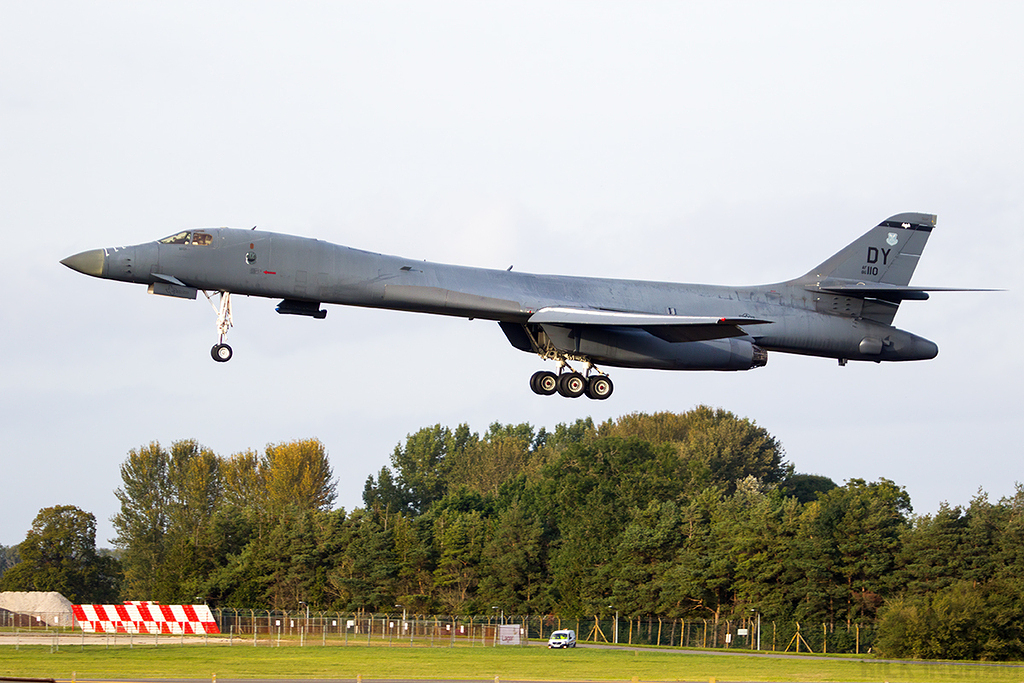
[[145, 617]]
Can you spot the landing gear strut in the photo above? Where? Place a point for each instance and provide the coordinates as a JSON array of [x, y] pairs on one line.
[[567, 382], [221, 352]]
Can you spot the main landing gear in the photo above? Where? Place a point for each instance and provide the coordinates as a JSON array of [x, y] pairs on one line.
[[572, 384], [567, 382], [221, 352]]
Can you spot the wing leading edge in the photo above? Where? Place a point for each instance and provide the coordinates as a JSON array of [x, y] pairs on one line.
[[671, 328]]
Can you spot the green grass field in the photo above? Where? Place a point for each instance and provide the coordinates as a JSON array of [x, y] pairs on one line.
[[531, 663]]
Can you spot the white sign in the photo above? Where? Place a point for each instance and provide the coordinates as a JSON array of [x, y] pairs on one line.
[[508, 634]]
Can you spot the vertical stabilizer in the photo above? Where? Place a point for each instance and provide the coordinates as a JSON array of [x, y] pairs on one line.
[[866, 278], [887, 254]]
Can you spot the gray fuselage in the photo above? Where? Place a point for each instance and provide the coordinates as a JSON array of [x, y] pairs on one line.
[[798, 316]]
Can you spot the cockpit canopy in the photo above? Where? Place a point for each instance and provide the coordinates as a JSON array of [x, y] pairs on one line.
[[194, 237]]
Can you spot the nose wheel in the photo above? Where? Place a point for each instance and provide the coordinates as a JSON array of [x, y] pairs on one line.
[[221, 353]]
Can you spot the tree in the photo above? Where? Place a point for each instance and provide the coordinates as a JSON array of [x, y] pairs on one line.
[[806, 487], [168, 503], [717, 447], [483, 465], [647, 548], [243, 481], [930, 557], [59, 554], [384, 494], [722, 449], [8, 557], [459, 537], [588, 491], [194, 491], [700, 576], [852, 536], [416, 558], [565, 435], [141, 524], [514, 562], [961, 621], [365, 571], [298, 474]]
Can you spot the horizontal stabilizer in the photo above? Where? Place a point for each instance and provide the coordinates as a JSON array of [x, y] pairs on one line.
[[892, 293], [672, 328]]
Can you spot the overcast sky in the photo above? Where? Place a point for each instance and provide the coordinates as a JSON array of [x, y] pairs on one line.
[[729, 143]]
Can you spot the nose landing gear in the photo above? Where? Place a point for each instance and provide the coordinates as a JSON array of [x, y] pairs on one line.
[[221, 352]]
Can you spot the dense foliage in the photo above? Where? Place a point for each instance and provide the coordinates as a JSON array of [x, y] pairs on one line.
[[693, 515], [59, 554], [8, 557]]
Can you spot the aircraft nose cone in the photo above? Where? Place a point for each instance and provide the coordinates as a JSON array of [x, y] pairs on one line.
[[88, 262]]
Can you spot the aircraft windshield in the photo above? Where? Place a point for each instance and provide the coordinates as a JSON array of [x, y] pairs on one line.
[[199, 239], [180, 238]]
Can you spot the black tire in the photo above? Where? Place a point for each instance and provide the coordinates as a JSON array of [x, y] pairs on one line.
[[221, 353], [571, 384], [544, 383], [599, 387]]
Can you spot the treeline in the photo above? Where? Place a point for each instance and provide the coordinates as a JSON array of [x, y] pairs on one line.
[[693, 515]]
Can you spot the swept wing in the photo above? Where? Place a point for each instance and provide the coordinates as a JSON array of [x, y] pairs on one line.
[[671, 328]]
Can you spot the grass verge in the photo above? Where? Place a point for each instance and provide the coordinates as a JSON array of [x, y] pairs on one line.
[[531, 663]]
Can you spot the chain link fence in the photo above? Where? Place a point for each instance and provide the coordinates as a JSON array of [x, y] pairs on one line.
[[299, 627], [446, 630]]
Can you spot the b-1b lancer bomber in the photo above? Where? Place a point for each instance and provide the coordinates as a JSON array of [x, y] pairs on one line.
[[841, 309]]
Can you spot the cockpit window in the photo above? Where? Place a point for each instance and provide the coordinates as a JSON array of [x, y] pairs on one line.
[[199, 239], [180, 238]]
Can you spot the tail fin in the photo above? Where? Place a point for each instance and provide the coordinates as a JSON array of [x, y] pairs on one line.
[[870, 277], [887, 254]]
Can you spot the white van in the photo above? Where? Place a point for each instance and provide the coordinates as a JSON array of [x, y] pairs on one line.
[[562, 638]]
